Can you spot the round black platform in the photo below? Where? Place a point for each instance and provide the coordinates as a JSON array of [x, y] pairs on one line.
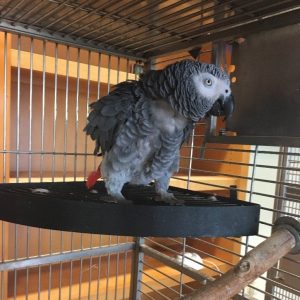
[[71, 207]]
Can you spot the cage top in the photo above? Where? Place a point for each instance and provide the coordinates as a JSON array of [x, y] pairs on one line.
[[142, 29]]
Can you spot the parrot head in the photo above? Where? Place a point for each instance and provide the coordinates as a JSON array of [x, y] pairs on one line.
[[214, 86], [198, 90]]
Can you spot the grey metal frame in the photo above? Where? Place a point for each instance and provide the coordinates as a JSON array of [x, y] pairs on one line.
[[137, 269], [66, 256]]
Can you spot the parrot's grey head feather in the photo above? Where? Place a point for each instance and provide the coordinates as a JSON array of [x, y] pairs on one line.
[[192, 88]]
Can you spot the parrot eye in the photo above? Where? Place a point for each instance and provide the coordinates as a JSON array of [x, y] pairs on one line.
[[207, 82]]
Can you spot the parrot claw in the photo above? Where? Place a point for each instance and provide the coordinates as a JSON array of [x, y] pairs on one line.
[[118, 199], [168, 198]]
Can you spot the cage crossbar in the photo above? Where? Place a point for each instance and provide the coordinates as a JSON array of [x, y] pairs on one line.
[[61, 257]]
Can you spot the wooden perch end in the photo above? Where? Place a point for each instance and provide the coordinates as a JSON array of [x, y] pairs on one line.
[[284, 238]]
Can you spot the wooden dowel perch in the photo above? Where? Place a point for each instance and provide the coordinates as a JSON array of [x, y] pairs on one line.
[[253, 264]]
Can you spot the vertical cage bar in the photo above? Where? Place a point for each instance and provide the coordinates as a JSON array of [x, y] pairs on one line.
[[3, 286], [4, 117], [281, 177], [80, 270], [88, 92], [27, 269], [18, 110], [3, 274], [60, 265], [98, 277], [137, 268], [17, 150], [76, 113], [71, 268], [125, 271], [15, 271], [278, 206], [191, 159], [126, 252], [39, 268], [250, 197], [127, 68], [108, 74], [98, 91], [118, 70], [99, 269], [54, 112], [50, 267], [251, 188], [118, 238], [110, 237], [4, 237], [66, 124], [87, 107], [30, 110], [117, 271], [99, 76], [3, 281], [90, 268], [182, 263], [71, 279], [43, 114], [108, 271]]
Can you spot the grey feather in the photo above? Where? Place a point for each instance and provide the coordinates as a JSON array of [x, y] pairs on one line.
[[141, 125]]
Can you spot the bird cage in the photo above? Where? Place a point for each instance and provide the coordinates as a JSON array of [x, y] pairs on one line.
[[56, 58]]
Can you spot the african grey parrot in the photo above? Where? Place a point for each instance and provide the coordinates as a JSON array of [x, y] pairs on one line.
[[140, 126]]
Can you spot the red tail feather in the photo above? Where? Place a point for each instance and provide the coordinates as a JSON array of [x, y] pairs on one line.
[[92, 178]]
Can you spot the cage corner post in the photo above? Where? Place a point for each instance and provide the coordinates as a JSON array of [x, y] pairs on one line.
[[136, 270]]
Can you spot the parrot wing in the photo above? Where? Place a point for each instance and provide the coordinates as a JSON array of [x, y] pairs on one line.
[[109, 113]]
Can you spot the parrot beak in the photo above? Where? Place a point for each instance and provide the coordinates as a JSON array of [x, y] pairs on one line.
[[224, 106], [228, 106]]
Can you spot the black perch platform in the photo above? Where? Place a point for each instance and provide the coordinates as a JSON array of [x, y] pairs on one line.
[[71, 207]]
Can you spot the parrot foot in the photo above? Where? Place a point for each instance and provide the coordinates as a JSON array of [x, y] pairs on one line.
[[168, 198], [117, 198]]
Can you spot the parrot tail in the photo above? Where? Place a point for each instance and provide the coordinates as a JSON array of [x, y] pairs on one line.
[[92, 178]]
